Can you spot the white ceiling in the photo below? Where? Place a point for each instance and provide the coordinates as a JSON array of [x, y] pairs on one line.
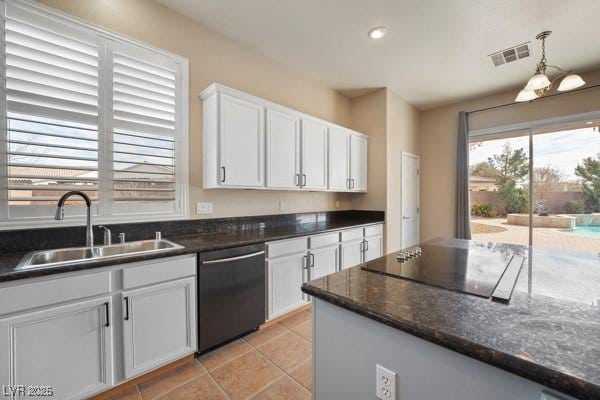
[[435, 50]]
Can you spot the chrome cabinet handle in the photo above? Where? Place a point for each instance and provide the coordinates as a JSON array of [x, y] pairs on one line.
[[126, 299], [106, 314], [362, 246], [305, 262], [366, 245], [352, 184], [303, 180], [297, 180], [312, 260], [224, 174]]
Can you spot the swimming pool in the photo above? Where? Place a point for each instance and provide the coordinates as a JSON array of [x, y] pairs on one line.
[[585, 230]]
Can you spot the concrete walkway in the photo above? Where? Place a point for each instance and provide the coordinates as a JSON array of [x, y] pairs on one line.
[[543, 237]]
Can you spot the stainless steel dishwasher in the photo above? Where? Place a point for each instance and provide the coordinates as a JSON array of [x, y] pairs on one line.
[[231, 296]]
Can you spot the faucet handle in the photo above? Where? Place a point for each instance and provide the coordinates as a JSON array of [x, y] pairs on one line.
[[122, 237], [107, 235]]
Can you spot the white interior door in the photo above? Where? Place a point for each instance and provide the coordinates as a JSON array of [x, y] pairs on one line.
[[283, 150], [410, 199]]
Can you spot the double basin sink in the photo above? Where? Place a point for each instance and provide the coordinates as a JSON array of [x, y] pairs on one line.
[[77, 255]]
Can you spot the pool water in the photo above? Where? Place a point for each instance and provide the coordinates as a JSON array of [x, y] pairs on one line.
[[586, 230]]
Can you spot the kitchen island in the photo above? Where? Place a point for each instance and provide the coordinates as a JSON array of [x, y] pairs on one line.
[[542, 344]]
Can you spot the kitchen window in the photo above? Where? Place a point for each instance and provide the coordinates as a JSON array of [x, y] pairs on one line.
[[85, 109]]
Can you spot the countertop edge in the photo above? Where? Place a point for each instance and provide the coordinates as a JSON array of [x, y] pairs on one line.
[[548, 377], [39, 272]]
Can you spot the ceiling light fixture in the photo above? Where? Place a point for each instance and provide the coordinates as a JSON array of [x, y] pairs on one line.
[[540, 84], [378, 32]]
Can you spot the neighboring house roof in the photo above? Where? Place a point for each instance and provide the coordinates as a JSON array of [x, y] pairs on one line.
[[482, 179]]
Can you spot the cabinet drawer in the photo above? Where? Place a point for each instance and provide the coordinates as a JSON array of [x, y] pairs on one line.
[[285, 247], [374, 230], [166, 269], [352, 234], [47, 292], [326, 239]]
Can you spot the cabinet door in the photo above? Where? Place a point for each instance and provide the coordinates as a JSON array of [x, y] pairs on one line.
[[358, 162], [68, 348], [159, 325], [241, 142], [283, 150], [323, 261], [286, 275], [314, 154], [351, 254], [339, 159], [373, 247]]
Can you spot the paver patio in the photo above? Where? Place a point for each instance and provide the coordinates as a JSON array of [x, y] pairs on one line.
[[487, 230]]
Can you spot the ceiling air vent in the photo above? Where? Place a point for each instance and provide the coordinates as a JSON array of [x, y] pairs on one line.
[[509, 55]]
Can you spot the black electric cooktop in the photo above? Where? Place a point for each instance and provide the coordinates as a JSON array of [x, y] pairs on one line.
[[481, 269]]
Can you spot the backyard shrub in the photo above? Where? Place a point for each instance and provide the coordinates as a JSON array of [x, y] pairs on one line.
[[483, 210], [514, 198], [572, 207]]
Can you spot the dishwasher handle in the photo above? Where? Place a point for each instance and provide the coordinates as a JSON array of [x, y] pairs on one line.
[[224, 260]]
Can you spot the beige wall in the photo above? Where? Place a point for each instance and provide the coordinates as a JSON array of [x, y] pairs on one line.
[[402, 135], [215, 58], [392, 126], [438, 134], [368, 115]]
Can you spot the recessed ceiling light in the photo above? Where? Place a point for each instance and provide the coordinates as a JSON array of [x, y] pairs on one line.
[[378, 32]]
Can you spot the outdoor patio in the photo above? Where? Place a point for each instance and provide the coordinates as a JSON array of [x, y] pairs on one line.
[[498, 230]]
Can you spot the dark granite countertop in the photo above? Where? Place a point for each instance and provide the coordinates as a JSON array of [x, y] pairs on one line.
[[548, 333], [225, 233]]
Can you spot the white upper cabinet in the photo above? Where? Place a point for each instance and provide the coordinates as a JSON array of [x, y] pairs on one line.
[[251, 143], [241, 142], [339, 159], [358, 162], [283, 149], [314, 154]]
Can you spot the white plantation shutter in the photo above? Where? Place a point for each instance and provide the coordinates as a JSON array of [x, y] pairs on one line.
[[52, 109], [85, 109], [145, 125]]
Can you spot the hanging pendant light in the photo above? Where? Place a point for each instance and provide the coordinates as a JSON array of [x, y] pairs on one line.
[[526, 95], [537, 82], [570, 82], [540, 84]]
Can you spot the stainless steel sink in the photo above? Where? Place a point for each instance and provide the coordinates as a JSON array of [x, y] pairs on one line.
[[72, 255]]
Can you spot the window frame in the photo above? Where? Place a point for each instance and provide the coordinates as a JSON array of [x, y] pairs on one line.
[[105, 210]]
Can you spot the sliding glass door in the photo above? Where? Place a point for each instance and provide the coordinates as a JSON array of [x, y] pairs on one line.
[[559, 209]]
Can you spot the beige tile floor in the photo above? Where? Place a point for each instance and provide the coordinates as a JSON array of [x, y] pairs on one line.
[[273, 363]]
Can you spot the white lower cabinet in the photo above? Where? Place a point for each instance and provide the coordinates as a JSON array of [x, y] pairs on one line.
[[373, 247], [351, 253], [323, 261], [69, 348], [286, 275], [61, 331], [158, 325]]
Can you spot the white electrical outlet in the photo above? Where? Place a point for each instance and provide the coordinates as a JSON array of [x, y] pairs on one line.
[[386, 383], [204, 208]]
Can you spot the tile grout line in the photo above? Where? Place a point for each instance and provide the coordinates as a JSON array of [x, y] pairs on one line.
[[176, 387], [295, 368], [218, 385], [230, 360]]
